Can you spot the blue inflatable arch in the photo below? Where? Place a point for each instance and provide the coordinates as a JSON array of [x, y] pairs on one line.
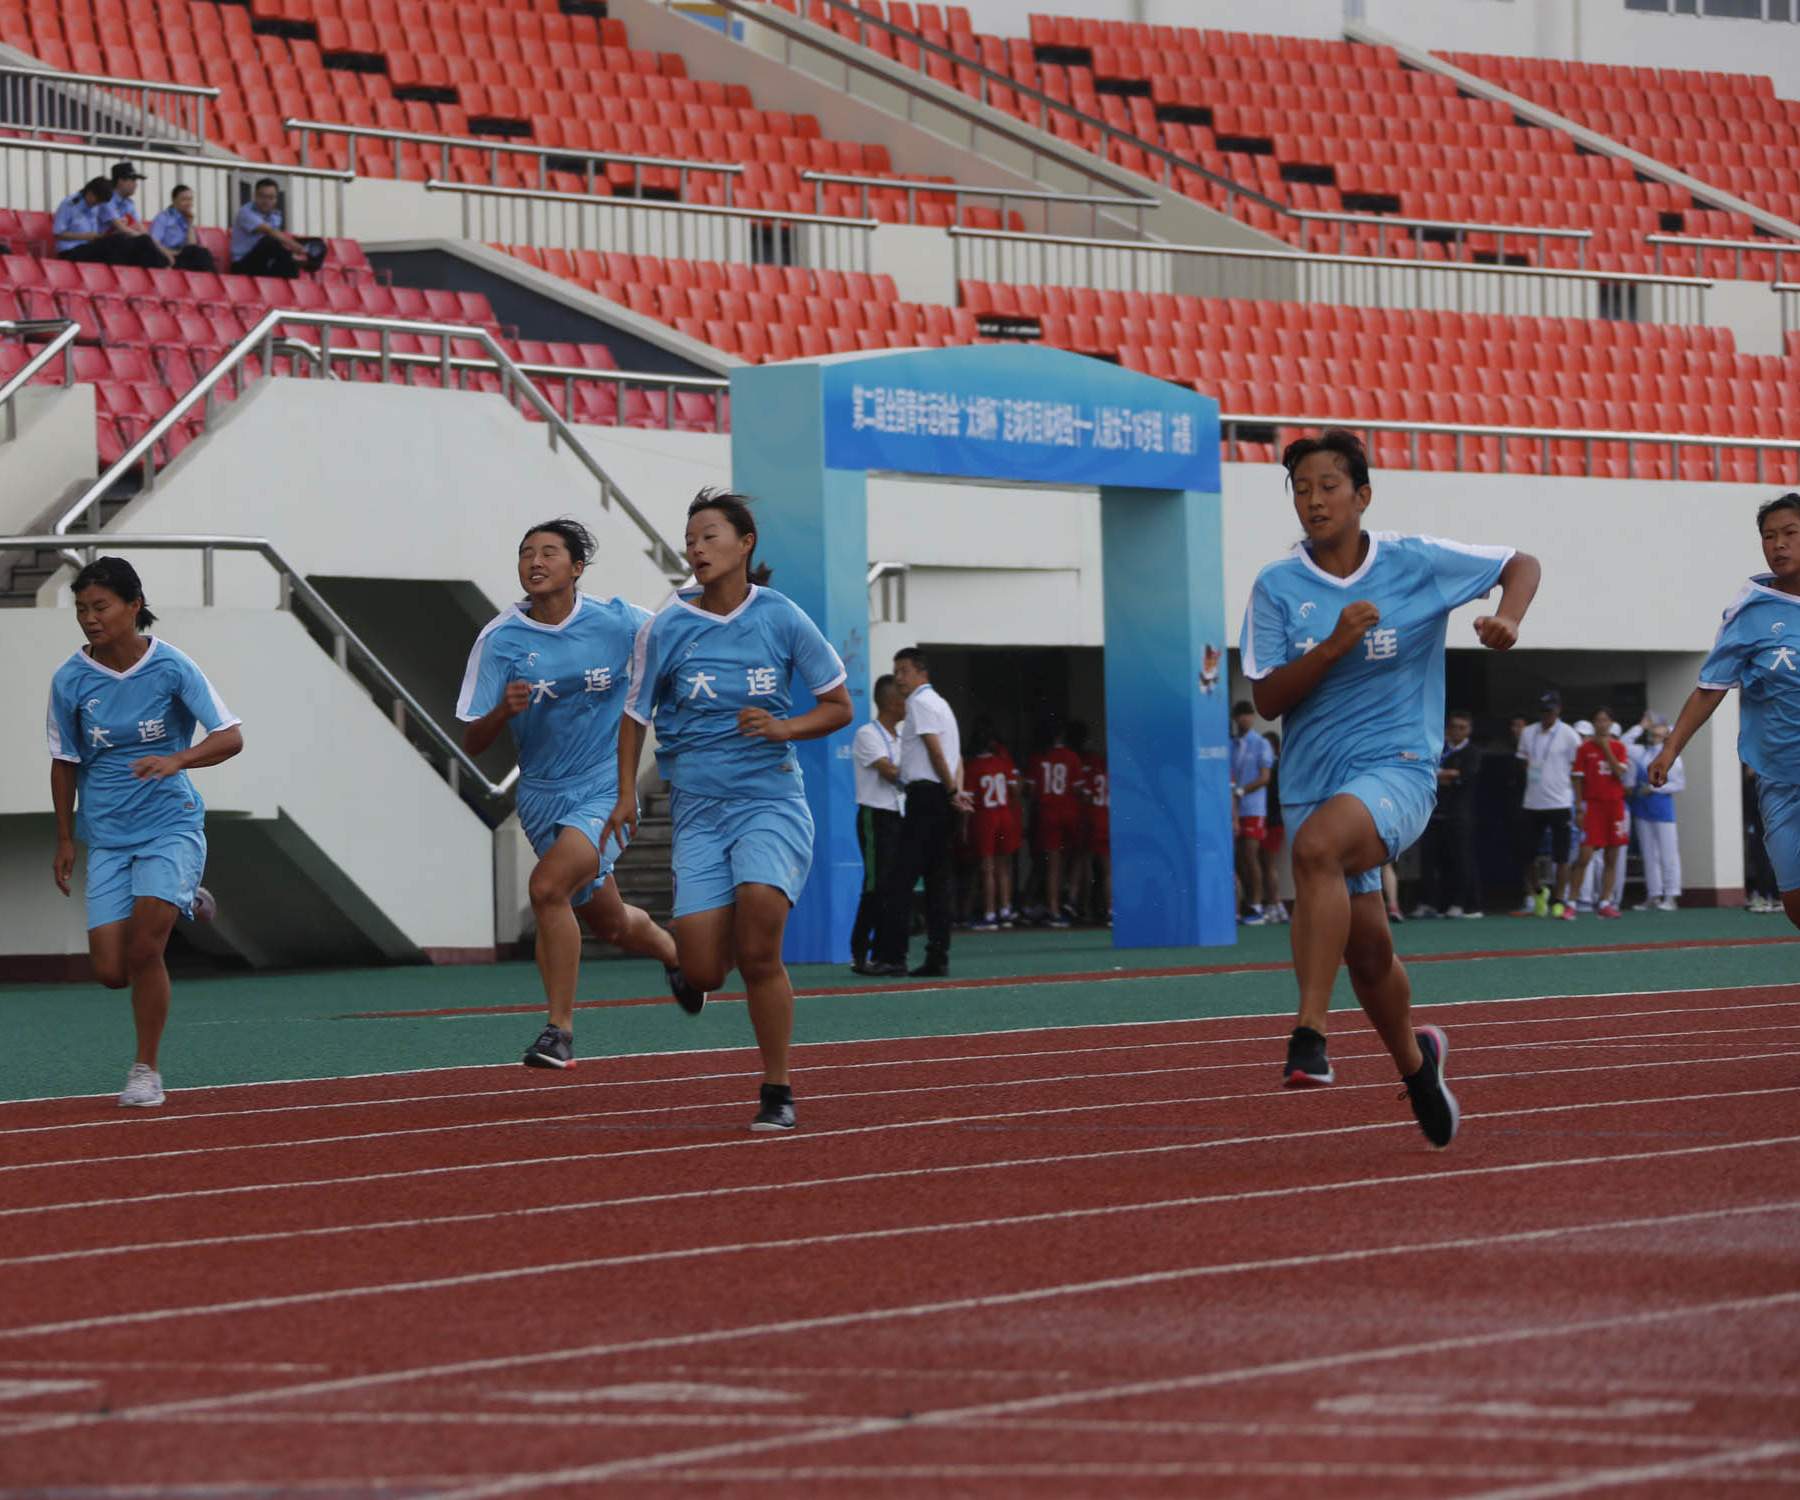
[[805, 436]]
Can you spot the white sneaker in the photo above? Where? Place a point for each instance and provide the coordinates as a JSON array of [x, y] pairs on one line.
[[143, 1088], [1668, 903]]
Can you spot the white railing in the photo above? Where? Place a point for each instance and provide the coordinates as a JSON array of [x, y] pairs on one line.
[[630, 226], [960, 192], [100, 108], [347, 648], [1788, 293], [548, 158], [1456, 232], [40, 174], [1636, 444], [1211, 270], [1697, 245], [264, 341], [65, 334], [887, 592]]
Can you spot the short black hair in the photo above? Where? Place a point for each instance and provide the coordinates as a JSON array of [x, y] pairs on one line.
[[1603, 709], [736, 510], [118, 576], [263, 182], [1347, 445], [576, 537], [1460, 713], [1789, 501], [98, 187], [180, 188], [914, 655], [1242, 706], [885, 684]]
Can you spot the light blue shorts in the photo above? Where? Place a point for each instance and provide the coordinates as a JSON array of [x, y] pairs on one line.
[[581, 803], [168, 868], [1398, 798], [1779, 803], [724, 842]]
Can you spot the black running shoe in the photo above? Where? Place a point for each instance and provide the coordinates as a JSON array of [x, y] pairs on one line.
[[1307, 1066], [691, 1000], [1433, 1105], [777, 1112], [554, 1048]]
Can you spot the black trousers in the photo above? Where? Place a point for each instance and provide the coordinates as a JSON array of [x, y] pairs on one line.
[[878, 835], [925, 838], [267, 257], [194, 258], [117, 250], [1448, 855]]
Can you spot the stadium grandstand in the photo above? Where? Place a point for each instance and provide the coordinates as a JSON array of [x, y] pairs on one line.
[[1541, 256]]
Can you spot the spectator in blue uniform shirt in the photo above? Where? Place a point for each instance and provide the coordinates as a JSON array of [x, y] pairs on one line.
[[260, 242], [82, 234], [173, 229]]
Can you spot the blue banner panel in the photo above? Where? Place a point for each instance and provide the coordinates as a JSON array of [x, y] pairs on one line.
[[1019, 412]]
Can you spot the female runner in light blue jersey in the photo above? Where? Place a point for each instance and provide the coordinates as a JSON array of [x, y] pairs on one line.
[[1344, 640], [122, 715], [714, 672], [1758, 650], [555, 670]]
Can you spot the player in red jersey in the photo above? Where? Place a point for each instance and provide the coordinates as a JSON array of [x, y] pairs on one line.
[[1096, 831], [1603, 766], [1051, 779], [993, 781]]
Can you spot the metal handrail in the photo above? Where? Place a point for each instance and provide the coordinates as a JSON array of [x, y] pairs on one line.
[[66, 334], [654, 205], [1313, 257], [346, 644], [1543, 436], [914, 186], [305, 129], [263, 337], [1789, 294], [780, 21], [176, 159], [567, 375], [1740, 248], [49, 93], [52, 75]]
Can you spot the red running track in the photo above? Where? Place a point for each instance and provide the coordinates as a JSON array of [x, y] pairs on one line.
[[1107, 1260]]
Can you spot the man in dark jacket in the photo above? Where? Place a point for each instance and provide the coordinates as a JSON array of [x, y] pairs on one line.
[[1450, 887]]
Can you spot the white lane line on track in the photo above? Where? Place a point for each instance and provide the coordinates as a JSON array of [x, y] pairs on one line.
[[762, 1142], [1610, 1479], [533, 1121], [638, 1085], [875, 1426], [806, 1047], [595, 1205], [800, 1242], [992, 1300]]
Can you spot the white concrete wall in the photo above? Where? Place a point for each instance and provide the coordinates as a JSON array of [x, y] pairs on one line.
[[316, 749], [54, 448]]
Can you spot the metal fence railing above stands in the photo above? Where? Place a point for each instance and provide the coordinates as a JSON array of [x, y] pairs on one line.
[[1788, 294], [1643, 455], [40, 174], [58, 334], [685, 231], [959, 192], [94, 106], [548, 159], [295, 594], [1695, 250], [1451, 232], [1212, 270], [263, 342]]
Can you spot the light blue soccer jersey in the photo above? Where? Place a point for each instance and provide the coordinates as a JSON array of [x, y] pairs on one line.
[[579, 672], [103, 721], [1758, 650], [1383, 705], [1251, 755], [694, 671]]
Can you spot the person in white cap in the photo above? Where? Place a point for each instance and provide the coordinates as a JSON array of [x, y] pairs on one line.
[[1653, 815]]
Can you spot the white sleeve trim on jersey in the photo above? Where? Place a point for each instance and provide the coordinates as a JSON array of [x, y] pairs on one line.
[[227, 719], [54, 735], [466, 694], [1472, 549], [1716, 687], [1247, 659], [838, 681], [640, 650]]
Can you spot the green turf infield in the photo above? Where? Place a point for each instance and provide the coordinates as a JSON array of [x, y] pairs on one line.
[[242, 1028]]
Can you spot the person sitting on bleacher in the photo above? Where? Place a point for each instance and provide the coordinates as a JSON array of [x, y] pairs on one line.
[[173, 229], [81, 234], [119, 218], [259, 244]]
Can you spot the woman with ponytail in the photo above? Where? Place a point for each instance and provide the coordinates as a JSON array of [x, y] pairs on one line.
[[123, 710], [714, 672]]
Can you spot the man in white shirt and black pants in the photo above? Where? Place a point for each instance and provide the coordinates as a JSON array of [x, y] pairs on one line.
[[879, 804], [1548, 749], [931, 775]]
